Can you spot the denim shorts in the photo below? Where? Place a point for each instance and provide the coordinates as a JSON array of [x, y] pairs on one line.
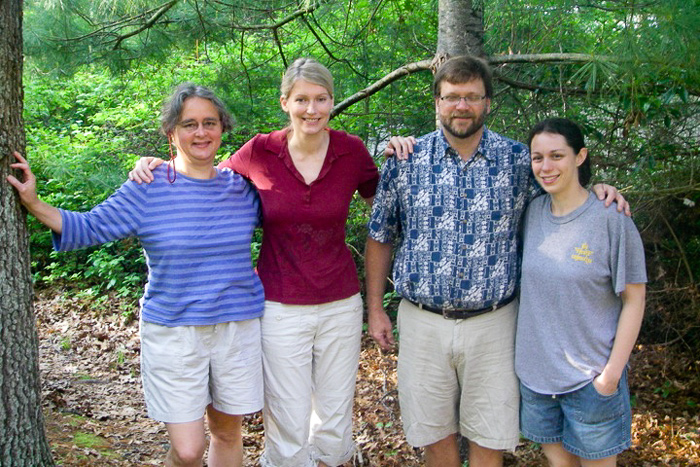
[[588, 424]]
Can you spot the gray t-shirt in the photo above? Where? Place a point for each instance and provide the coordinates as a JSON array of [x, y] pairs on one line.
[[574, 268]]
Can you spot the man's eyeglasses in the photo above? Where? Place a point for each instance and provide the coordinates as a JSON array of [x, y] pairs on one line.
[[471, 99]]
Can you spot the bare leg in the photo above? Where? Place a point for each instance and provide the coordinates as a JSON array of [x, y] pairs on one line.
[[226, 446], [187, 444], [444, 453], [605, 462], [480, 456], [557, 456]]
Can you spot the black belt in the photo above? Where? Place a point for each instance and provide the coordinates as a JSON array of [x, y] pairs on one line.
[[463, 314]]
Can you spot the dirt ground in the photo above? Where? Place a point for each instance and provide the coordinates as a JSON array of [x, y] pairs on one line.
[[95, 413]]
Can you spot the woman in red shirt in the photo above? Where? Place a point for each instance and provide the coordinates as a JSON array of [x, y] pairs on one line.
[[306, 175]]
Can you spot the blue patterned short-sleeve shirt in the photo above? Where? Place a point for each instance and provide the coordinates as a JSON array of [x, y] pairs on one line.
[[457, 223]]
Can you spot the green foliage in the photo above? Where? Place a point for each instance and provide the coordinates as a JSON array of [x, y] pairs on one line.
[[96, 73]]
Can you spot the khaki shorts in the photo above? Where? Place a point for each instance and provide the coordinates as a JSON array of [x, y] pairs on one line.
[[186, 368], [458, 375]]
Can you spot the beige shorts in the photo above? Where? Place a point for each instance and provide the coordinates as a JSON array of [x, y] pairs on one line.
[[186, 368], [458, 375]]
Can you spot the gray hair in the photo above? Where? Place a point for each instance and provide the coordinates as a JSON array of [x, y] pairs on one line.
[[309, 70], [172, 107]]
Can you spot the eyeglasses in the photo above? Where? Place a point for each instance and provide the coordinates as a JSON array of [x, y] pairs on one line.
[[454, 99], [190, 126]]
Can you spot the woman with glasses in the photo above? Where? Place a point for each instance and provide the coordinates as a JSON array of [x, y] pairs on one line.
[[306, 175], [200, 313], [581, 307]]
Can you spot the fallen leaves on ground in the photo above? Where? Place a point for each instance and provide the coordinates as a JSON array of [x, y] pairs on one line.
[[95, 413]]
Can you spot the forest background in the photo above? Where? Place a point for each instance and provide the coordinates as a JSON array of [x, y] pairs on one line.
[[96, 72]]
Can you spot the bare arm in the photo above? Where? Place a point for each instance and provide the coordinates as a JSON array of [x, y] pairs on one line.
[[142, 171], [44, 212], [633, 300], [610, 194], [377, 267]]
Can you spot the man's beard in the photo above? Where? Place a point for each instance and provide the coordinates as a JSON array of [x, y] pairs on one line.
[[474, 126]]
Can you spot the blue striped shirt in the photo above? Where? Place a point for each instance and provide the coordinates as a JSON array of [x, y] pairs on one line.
[[457, 223], [196, 237]]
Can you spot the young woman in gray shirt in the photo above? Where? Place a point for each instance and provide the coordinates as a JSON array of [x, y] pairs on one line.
[[582, 303]]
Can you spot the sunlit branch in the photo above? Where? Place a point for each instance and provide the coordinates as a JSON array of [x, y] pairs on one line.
[[399, 73], [425, 65], [549, 58]]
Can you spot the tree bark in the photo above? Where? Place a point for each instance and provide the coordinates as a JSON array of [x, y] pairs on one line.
[[460, 28], [22, 438]]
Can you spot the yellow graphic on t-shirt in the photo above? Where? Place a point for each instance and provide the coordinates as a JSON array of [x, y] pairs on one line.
[[583, 254]]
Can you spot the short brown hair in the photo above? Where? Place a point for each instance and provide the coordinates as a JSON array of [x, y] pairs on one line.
[[463, 69]]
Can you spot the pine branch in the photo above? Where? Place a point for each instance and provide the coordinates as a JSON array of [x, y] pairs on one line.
[[425, 65], [382, 83], [550, 58], [124, 22], [287, 19], [536, 87], [147, 25]]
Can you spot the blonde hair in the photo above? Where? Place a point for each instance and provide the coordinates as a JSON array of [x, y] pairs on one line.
[[309, 70]]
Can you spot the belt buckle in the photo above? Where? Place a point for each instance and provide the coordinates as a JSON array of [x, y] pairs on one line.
[[448, 314], [451, 314]]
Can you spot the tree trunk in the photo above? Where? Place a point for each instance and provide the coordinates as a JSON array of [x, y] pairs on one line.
[[460, 28], [22, 438]]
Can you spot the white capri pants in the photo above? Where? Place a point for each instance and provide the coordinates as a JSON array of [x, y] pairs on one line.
[[310, 358]]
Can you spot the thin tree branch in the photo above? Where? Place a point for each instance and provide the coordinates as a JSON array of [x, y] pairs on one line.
[[328, 52], [681, 250], [283, 21], [405, 70], [536, 87], [424, 65], [108, 27], [550, 58], [164, 9], [275, 34], [666, 192], [360, 31]]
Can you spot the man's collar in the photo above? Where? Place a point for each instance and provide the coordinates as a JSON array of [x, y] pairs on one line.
[[480, 149]]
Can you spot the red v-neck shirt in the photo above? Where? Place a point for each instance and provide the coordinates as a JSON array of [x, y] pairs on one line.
[[303, 258]]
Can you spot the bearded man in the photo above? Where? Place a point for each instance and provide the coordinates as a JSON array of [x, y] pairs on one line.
[[453, 201]]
